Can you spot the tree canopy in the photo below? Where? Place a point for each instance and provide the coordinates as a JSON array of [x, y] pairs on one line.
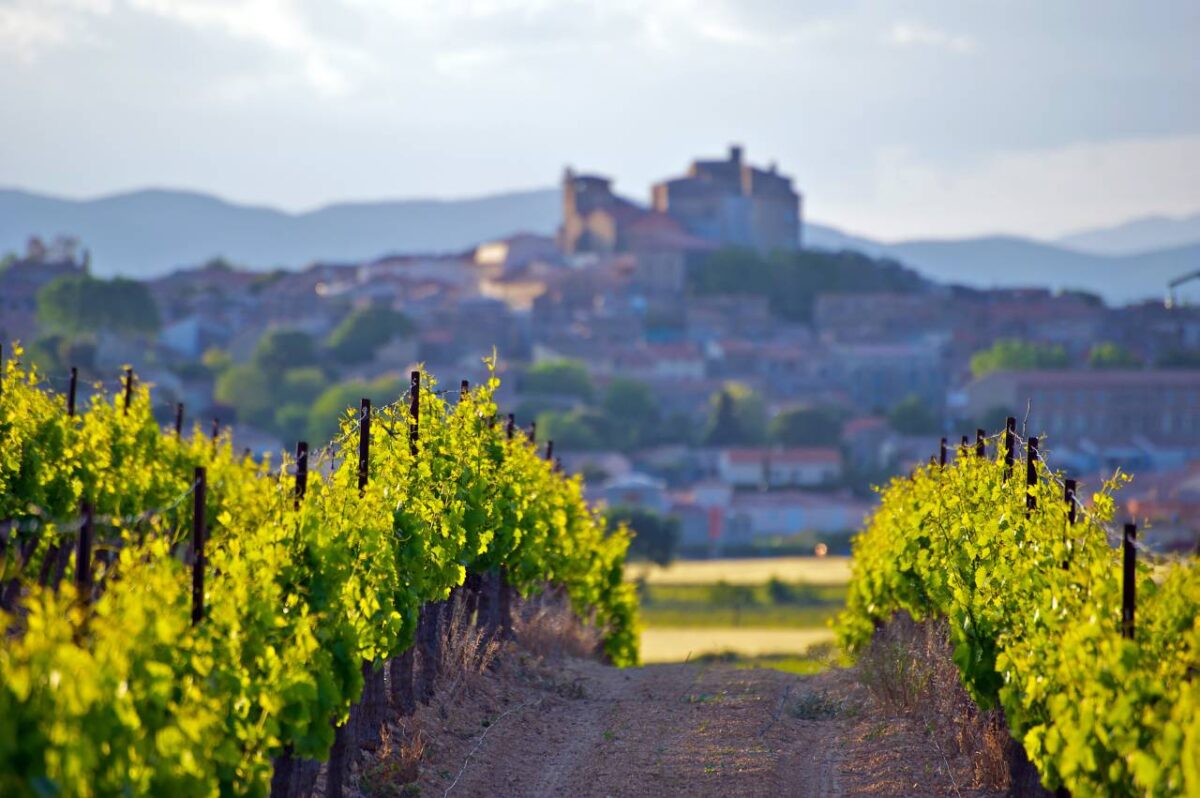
[[563, 377], [250, 391], [1179, 359], [583, 429], [1108, 355], [737, 416], [332, 405], [364, 331], [655, 536], [912, 416], [1013, 354], [283, 349], [791, 281], [633, 411], [83, 304], [806, 426]]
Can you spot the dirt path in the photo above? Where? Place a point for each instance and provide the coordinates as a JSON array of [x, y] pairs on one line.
[[582, 729]]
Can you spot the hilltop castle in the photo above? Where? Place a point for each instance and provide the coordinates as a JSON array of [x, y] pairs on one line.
[[719, 202]]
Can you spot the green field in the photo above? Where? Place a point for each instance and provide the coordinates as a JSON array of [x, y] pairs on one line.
[[756, 612]]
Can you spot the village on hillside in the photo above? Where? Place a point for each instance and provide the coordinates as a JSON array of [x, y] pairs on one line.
[[686, 354]]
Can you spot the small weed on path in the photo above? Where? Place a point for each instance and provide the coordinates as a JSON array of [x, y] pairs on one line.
[[815, 705]]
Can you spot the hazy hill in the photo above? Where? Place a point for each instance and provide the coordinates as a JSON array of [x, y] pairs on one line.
[[150, 232], [145, 233], [1137, 235], [1012, 261]]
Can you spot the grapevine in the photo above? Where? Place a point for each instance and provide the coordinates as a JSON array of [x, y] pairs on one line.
[[1033, 605], [119, 693]]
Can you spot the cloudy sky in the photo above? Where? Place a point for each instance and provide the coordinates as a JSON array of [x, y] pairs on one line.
[[898, 119]]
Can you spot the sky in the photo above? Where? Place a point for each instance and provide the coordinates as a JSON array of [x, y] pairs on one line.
[[896, 119]]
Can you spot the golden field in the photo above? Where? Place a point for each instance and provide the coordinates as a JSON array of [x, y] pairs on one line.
[[811, 570], [665, 644]]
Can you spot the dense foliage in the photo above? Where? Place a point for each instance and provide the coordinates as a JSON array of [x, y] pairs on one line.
[[807, 426], [86, 304], [124, 696], [364, 331], [791, 281], [655, 535], [737, 417], [1107, 355], [558, 377], [1033, 604], [1013, 354]]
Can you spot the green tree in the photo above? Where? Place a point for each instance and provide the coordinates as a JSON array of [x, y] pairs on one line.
[[806, 426], [632, 411], [327, 412], [364, 331], [250, 391], [303, 385], [1013, 354], [216, 360], [723, 594], [655, 536], [1108, 355], [291, 422], [561, 377], [83, 304], [583, 429], [1179, 359], [283, 349], [737, 415], [992, 419], [791, 281], [911, 416]]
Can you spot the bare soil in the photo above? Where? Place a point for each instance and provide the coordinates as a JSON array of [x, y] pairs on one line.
[[560, 726]]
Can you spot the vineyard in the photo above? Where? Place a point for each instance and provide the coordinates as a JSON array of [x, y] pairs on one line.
[[183, 620], [1092, 655]]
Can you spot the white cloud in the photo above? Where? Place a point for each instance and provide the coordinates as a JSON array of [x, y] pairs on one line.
[[28, 28], [278, 25], [1045, 192], [915, 34]]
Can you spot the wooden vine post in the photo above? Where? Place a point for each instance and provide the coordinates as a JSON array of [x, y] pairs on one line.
[[414, 412], [364, 443], [199, 497], [301, 472], [1010, 432], [83, 554], [979, 445], [1031, 454], [942, 453], [178, 419], [1129, 581], [128, 389], [71, 386], [1069, 487]]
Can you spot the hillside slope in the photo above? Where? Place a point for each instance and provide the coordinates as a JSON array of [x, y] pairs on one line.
[[151, 232], [147, 233]]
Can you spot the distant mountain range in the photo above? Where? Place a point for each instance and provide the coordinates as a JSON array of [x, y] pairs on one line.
[[147, 233], [1137, 236]]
